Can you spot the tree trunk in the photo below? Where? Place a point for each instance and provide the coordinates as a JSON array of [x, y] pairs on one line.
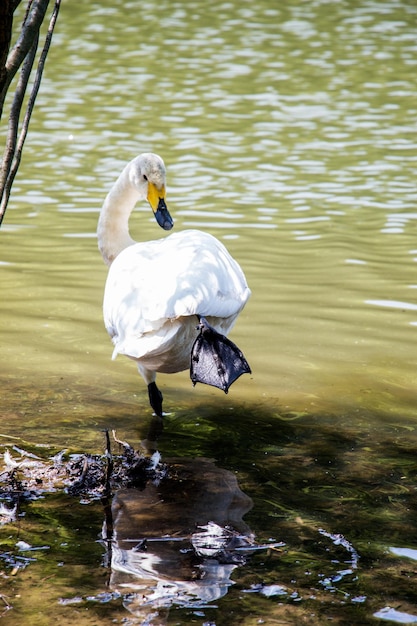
[[6, 21]]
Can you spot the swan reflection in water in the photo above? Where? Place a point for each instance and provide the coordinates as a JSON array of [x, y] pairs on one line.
[[177, 541]]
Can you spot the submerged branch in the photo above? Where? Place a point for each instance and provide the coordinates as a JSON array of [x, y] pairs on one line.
[[88, 476]]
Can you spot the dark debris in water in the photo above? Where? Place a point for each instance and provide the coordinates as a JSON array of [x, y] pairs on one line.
[[88, 477]]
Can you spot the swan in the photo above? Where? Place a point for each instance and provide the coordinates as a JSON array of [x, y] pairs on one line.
[[158, 294]]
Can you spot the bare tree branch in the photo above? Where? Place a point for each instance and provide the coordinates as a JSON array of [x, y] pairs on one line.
[[14, 145], [30, 30], [8, 165]]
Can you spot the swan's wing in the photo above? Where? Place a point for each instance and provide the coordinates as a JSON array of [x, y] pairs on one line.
[[186, 274]]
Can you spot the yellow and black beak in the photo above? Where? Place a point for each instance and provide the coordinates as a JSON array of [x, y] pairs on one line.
[[156, 198]]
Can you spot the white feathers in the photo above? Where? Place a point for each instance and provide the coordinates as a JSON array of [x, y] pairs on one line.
[[152, 285], [156, 289]]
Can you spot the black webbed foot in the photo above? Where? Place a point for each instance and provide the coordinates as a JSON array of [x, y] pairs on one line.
[[215, 360], [155, 399]]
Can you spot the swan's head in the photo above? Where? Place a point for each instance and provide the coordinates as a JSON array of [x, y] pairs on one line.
[[148, 174]]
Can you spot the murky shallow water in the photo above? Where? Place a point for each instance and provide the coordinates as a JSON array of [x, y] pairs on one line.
[[289, 133]]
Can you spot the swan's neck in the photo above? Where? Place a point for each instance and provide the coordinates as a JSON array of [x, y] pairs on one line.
[[113, 224]]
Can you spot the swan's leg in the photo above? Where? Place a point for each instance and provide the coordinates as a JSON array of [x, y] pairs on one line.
[[215, 360], [155, 399], [155, 396]]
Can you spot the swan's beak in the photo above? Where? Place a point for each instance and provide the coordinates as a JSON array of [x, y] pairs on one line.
[[156, 199]]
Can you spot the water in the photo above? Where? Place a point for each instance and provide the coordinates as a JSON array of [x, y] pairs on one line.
[[288, 131]]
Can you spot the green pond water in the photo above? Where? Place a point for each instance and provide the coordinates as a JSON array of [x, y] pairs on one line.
[[289, 132]]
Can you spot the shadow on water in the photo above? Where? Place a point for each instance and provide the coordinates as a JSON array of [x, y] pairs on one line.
[[328, 532]]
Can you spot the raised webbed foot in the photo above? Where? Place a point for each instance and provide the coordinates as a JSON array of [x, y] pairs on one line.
[[215, 360]]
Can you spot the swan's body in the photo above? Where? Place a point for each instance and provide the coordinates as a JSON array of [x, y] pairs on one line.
[[156, 291]]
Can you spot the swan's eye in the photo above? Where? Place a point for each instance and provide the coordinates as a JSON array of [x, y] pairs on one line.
[[145, 177]]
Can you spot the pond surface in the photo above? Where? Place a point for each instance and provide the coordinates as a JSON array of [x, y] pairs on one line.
[[289, 132]]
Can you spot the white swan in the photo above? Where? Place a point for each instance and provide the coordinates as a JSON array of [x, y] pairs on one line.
[[157, 291]]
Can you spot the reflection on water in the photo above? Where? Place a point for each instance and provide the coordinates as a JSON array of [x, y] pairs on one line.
[[177, 542], [288, 131]]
